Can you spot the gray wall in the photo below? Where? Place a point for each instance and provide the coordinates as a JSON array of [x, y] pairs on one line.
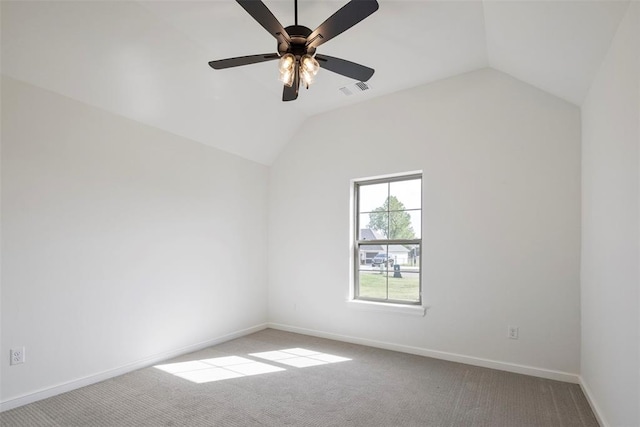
[[501, 222], [610, 234], [120, 242]]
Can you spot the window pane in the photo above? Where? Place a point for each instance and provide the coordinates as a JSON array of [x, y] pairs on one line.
[[404, 279], [404, 284], [368, 253], [366, 232], [373, 284], [413, 258], [372, 196], [416, 222], [405, 224], [408, 193], [377, 222], [373, 271]]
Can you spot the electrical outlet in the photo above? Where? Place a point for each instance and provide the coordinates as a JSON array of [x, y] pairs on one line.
[[17, 356], [512, 332]]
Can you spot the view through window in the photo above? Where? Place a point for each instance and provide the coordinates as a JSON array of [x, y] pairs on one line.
[[388, 239]]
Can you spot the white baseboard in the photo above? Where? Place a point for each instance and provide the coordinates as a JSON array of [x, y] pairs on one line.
[[592, 402], [105, 375], [452, 357]]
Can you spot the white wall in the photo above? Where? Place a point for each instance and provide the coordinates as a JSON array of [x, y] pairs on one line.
[[501, 219], [610, 237], [120, 242]]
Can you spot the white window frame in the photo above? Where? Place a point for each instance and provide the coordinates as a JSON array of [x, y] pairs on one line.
[[378, 304]]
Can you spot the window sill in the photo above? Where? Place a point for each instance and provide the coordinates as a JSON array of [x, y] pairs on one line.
[[413, 310]]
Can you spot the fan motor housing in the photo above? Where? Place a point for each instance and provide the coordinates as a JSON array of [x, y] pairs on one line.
[[298, 47]]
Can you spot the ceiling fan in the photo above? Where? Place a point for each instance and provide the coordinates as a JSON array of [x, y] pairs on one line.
[[297, 45]]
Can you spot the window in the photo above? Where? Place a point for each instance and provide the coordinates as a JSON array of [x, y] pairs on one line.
[[388, 239]]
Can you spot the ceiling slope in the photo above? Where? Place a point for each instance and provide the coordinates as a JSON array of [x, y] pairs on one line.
[[555, 45], [147, 61]]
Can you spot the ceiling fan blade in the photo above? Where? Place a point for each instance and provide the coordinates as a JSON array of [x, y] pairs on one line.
[[261, 13], [242, 60], [290, 93], [346, 17], [345, 68]]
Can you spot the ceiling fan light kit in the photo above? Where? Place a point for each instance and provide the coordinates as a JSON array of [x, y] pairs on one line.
[[298, 62]]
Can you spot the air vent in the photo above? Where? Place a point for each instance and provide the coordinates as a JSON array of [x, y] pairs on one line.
[[362, 86], [355, 88]]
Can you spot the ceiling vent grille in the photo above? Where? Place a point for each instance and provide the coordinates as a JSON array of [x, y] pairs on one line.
[[362, 86], [355, 88]]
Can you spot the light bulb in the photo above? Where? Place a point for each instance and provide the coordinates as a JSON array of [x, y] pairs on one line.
[[286, 62], [287, 69], [307, 77], [286, 77], [310, 64]]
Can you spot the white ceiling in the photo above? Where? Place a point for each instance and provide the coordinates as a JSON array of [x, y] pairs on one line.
[[148, 60]]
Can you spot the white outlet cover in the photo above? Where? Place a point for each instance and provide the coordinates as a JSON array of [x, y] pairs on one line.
[[16, 356]]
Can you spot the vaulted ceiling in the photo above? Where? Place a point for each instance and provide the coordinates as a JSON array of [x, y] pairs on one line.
[[147, 61]]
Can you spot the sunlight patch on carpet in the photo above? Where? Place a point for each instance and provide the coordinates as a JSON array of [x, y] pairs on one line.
[[218, 368], [299, 357], [224, 368]]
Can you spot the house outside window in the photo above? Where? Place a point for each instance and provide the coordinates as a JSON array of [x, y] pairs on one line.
[[388, 239]]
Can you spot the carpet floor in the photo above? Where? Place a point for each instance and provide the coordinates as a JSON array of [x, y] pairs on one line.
[[276, 378]]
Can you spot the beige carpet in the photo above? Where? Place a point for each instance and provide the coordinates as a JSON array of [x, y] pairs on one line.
[[308, 382]]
